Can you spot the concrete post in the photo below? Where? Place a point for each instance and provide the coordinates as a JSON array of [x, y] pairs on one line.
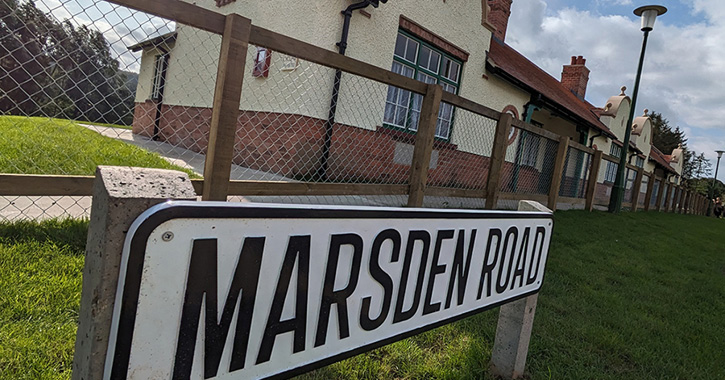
[[120, 194], [513, 332]]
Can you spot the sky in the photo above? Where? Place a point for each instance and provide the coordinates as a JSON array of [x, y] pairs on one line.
[[684, 67]]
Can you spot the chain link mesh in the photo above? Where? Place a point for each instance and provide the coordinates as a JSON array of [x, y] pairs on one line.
[[576, 174], [643, 191], [657, 185]]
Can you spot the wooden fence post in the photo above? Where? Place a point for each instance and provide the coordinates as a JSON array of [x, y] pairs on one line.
[[558, 172], [650, 190], [227, 94], [593, 176], [636, 188], [498, 157], [660, 195], [424, 144], [513, 329]]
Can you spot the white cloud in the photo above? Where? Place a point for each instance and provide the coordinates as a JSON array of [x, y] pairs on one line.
[[683, 70]]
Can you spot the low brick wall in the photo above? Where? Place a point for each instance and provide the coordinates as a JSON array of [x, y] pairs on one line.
[[291, 145]]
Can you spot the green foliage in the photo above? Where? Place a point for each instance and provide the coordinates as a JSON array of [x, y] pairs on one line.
[[55, 146], [626, 296], [56, 69]]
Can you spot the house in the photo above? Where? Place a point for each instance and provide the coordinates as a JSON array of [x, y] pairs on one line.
[[286, 103]]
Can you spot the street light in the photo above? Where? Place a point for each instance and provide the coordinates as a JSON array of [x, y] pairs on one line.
[[648, 13], [712, 184]]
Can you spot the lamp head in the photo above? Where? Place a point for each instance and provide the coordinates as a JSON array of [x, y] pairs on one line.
[[719, 153], [649, 13]]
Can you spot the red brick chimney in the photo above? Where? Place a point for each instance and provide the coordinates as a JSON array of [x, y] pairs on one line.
[[499, 17], [576, 76]]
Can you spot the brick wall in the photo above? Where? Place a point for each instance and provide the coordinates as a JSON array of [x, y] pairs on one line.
[[291, 145], [499, 17], [575, 76]]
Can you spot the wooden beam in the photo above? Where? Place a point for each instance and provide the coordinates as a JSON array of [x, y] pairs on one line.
[[227, 95], [534, 130], [45, 185], [287, 45], [592, 181], [636, 187], [498, 157], [179, 11], [650, 190], [277, 188], [558, 172], [424, 144], [471, 106]]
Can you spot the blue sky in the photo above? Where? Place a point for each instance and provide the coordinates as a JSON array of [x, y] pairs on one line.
[[684, 65]]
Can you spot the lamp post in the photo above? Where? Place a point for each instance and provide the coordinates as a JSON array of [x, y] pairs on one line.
[[648, 13], [712, 184]]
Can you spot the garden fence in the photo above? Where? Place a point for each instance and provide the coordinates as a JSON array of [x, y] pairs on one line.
[[263, 117]]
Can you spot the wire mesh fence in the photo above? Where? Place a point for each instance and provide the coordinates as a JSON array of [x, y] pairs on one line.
[[576, 174], [643, 191], [656, 188], [529, 163], [93, 83]]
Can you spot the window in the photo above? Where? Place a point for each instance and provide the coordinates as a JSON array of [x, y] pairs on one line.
[[611, 173], [640, 162], [160, 65], [262, 62], [413, 58]]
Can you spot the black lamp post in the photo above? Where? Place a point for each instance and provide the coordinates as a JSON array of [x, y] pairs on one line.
[[648, 13], [712, 184]]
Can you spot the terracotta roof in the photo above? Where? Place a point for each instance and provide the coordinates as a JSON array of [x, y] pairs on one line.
[[661, 159], [504, 59]]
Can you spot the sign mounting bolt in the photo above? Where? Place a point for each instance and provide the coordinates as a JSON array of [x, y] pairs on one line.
[[167, 236]]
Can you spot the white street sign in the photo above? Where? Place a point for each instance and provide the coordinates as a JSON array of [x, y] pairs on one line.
[[248, 291]]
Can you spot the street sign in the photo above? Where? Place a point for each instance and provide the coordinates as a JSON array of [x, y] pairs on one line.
[[248, 291]]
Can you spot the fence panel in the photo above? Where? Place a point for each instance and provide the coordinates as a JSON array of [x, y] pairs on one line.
[[576, 174], [74, 95], [657, 185], [643, 191], [529, 165]]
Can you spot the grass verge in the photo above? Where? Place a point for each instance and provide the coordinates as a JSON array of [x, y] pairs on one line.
[[34, 145], [629, 296]]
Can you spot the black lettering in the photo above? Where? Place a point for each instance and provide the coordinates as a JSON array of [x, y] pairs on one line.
[[540, 231], [512, 231], [460, 269], [201, 287], [339, 297], [379, 275], [298, 250], [413, 236], [487, 270], [520, 267], [435, 269]]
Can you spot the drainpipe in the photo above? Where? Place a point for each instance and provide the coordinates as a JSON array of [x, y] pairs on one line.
[[330, 122], [591, 139], [160, 100]]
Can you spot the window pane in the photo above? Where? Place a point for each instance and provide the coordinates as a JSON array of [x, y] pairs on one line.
[[435, 59], [411, 51], [400, 46], [398, 100], [455, 68], [424, 57]]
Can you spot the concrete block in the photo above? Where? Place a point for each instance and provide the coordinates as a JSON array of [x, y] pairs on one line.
[[120, 194]]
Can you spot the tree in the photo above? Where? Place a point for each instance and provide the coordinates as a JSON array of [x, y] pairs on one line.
[[56, 69], [666, 139]]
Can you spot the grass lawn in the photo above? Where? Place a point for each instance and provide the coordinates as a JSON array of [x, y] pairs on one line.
[[34, 145], [631, 296]]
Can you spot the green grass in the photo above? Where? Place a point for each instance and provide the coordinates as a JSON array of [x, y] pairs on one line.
[[33, 145], [40, 283], [629, 296]]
